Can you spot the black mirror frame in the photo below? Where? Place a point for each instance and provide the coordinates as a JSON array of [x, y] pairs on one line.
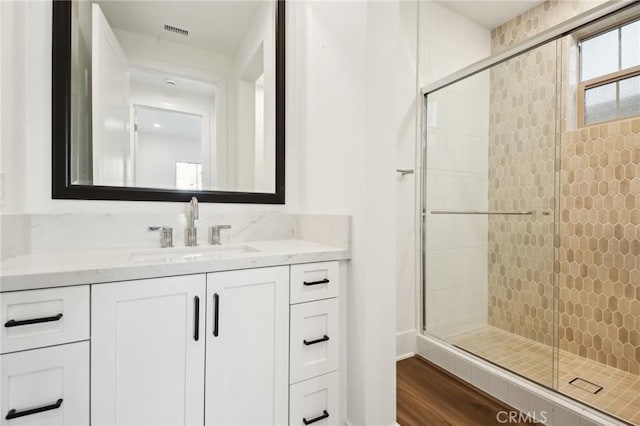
[[61, 130]]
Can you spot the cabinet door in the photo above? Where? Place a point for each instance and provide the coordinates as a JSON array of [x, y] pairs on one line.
[[48, 386], [247, 347], [147, 352]]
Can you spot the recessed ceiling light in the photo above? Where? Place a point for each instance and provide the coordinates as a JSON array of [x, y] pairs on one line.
[[156, 125]]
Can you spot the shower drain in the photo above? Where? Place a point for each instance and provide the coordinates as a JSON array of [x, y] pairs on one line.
[[586, 385]]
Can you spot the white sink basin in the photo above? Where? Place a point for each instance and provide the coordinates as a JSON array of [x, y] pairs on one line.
[[190, 254]]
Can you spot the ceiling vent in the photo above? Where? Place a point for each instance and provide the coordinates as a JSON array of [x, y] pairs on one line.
[[176, 30]]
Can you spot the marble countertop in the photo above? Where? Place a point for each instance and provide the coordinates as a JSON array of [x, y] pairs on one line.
[[45, 270]]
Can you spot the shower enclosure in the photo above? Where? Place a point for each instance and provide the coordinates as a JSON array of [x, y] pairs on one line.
[[531, 217]]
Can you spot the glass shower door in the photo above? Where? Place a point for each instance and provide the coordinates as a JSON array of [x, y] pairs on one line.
[[489, 204]]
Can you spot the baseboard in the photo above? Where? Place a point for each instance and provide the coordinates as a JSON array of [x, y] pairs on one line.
[[405, 356], [406, 344]]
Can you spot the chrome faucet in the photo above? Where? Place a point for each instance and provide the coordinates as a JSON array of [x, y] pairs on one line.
[[191, 232]]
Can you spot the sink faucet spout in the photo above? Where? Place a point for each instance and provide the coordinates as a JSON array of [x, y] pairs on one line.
[[191, 232]]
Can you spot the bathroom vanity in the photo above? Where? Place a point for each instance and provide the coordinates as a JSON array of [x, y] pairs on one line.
[[241, 334]]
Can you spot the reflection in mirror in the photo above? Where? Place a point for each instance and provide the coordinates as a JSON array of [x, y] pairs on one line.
[[174, 95], [169, 148]]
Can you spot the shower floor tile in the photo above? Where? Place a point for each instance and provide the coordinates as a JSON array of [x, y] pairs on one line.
[[620, 394]]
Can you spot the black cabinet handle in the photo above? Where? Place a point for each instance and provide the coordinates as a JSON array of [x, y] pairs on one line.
[[216, 313], [14, 323], [323, 416], [196, 318], [324, 281], [313, 342], [13, 414]]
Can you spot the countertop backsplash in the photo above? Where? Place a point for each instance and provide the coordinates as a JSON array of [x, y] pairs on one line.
[[15, 235], [42, 233]]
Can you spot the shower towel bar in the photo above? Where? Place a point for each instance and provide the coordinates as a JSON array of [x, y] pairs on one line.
[[522, 213], [404, 172]]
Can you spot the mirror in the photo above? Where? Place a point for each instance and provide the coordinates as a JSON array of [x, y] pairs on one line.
[[165, 100]]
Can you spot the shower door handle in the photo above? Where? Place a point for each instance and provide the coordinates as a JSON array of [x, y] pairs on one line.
[[517, 213]]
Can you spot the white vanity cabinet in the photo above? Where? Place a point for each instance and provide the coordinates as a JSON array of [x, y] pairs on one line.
[[314, 344], [148, 349], [44, 366], [247, 347], [147, 352], [243, 347]]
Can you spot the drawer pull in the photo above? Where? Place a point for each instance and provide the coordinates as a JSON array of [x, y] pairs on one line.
[[13, 414], [216, 313], [196, 318], [324, 281], [313, 342], [323, 416], [14, 323]]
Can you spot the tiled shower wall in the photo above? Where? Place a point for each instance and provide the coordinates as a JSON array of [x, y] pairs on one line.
[[536, 20], [457, 146], [599, 201], [522, 156], [599, 303]]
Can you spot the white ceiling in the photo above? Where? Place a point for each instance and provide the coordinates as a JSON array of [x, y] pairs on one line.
[[182, 85], [489, 13], [164, 122], [216, 26]]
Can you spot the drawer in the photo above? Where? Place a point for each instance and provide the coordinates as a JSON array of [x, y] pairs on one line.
[[314, 281], [314, 399], [314, 339], [37, 318], [48, 386]]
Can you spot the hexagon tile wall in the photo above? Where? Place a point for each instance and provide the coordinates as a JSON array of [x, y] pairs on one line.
[[599, 202], [599, 304], [522, 157]]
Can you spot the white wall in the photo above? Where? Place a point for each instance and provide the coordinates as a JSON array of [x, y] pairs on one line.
[[200, 68], [156, 157], [254, 59], [81, 88], [346, 112], [441, 42], [110, 106], [407, 238], [13, 101], [183, 101], [447, 42]]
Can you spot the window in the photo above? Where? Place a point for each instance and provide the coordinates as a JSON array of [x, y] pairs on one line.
[[610, 75], [188, 175]]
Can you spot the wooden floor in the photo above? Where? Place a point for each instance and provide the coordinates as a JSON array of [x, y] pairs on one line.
[[427, 395]]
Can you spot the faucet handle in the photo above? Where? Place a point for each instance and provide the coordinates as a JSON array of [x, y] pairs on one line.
[[166, 235], [214, 233]]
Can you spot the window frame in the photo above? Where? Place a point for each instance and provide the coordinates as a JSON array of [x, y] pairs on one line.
[[602, 80]]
